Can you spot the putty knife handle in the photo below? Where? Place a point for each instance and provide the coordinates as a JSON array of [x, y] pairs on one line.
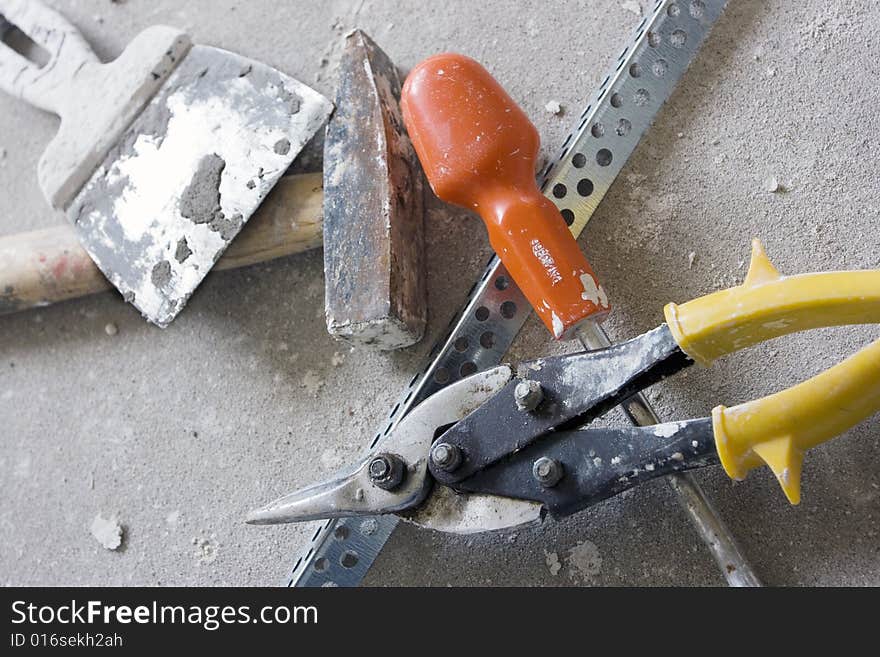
[[45, 87]]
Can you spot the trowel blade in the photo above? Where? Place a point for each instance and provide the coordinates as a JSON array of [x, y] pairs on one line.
[[189, 172]]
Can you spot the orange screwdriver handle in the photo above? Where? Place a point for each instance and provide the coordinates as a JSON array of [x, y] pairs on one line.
[[478, 150]]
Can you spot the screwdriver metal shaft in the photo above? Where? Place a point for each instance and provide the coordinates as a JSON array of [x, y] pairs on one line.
[[709, 525]]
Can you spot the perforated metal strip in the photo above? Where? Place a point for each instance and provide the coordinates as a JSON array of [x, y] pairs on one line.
[[642, 78]]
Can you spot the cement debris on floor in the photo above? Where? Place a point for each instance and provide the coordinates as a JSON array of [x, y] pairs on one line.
[[172, 435]]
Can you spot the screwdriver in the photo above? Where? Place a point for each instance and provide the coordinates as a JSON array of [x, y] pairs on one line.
[[479, 151]]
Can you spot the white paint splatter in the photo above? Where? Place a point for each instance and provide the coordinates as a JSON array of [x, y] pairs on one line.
[[585, 561], [632, 7], [553, 563], [593, 292], [207, 550], [107, 531], [771, 184], [558, 327], [666, 430], [312, 382]]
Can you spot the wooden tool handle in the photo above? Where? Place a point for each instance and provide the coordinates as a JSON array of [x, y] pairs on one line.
[[46, 266]]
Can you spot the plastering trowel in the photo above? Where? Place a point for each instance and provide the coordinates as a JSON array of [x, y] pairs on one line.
[[163, 154]]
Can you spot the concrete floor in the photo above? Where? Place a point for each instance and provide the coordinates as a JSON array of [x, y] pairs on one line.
[[179, 432]]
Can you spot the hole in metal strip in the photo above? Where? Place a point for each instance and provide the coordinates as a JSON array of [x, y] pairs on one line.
[[678, 38], [441, 376], [487, 339], [585, 187]]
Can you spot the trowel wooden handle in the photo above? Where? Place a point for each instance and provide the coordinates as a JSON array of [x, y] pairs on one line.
[[46, 266], [478, 150]]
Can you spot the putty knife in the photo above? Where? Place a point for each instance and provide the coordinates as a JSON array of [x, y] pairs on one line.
[[163, 154]]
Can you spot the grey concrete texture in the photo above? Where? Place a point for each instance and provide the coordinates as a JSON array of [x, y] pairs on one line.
[[178, 432]]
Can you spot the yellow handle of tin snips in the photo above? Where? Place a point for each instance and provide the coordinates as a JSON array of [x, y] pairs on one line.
[[768, 305], [778, 429]]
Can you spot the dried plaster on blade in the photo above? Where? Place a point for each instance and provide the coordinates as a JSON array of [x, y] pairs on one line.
[[668, 429], [216, 138], [475, 513], [612, 372], [149, 180]]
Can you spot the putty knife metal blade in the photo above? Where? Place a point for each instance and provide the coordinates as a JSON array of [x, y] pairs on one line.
[[163, 154], [189, 172]]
